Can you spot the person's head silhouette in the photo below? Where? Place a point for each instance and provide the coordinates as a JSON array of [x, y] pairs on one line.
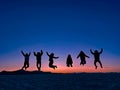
[[52, 54], [69, 55], [81, 52], [27, 54], [96, 51], [38, 53]]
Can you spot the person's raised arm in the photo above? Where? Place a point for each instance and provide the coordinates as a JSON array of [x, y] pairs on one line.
[[29, 53], [78, 56], [101, 51], [47, 53], [87, 56], [22, 53], [56, 57], [41, 52], [34, 53], [91, 51]]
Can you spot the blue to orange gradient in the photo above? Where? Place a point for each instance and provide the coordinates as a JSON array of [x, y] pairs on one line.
[[63, 27]]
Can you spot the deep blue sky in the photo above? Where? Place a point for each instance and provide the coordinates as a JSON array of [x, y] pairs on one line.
[[59, 25]]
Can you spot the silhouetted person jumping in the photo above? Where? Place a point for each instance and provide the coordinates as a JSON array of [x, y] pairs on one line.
[[51, 57], [69, 61], [97, 57], [82, 56], [38, 58], [26, 62]]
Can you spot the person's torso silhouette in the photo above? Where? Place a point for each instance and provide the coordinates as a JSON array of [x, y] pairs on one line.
[[26, 57], [82, 55], [97, 54], [38, 55]]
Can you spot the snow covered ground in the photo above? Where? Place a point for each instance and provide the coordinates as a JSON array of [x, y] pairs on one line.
[[81, 81]]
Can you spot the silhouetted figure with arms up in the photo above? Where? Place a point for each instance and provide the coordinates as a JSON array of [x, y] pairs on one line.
[[69, 61], [38, 58], [26, 62], [51, 57], [97, 57], [82, 56]]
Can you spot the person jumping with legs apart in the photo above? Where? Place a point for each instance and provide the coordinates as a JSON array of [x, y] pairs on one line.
[[97, 57]]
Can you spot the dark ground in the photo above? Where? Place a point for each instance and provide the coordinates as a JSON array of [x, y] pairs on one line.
[[48, 81]]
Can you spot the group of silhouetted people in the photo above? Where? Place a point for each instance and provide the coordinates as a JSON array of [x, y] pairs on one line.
[[38, 56], [69, 60]]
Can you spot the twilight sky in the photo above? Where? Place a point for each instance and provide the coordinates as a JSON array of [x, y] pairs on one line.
[[63, 27]]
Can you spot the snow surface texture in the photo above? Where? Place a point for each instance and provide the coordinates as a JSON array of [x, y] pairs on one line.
[[81, 81]]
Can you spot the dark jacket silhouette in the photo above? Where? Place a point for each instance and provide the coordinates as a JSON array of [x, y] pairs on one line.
[[97, 57], [26, 62], [51, 57], [69, 61], [82, 56], [38, 58]]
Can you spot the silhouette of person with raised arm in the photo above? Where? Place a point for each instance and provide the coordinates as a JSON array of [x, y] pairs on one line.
[[38, 58], [26, 62], [82, 56], [69, 61], [51, 57], [97, 57]]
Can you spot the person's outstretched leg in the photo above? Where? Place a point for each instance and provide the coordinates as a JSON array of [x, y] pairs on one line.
[[100, 64], [27, 65], [68, 65], [84, 61], [80, 63], [38, 66], [55, 66], [23, 67], [51, 66], [95, 64]]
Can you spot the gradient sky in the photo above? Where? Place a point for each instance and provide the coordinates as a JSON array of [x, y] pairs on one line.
[[63, 27]]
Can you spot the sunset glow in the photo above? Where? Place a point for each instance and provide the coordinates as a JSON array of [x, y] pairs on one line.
[[62, 68]]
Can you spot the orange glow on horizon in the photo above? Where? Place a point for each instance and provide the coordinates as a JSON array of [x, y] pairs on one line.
[[62, 69]]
